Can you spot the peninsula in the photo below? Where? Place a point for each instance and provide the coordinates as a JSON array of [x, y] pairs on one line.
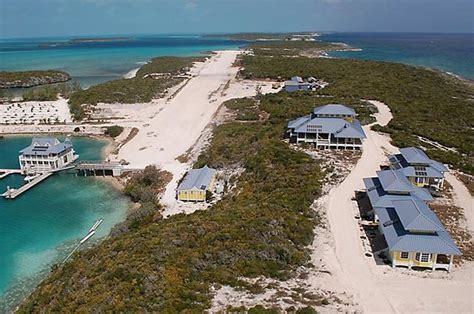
[[25, 79]]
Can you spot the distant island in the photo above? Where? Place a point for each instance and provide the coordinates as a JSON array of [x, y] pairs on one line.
[[297, 36], [97, 40], [84, 40], [25, 79]]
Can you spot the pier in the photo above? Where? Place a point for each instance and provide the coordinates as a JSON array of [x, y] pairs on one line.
[[6, 172], [13, 193]]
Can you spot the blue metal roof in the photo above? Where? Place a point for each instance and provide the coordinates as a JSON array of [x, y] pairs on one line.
[[380, 198], [414, 214], [337, 126], [400, 239], [394, 181], [334, 109], [417, 164], [44, 146], [198, 179]]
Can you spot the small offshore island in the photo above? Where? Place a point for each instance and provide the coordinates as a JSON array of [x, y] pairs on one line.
[[27, 79], [254, 179]]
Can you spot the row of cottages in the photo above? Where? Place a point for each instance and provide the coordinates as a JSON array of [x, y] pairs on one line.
[[297, 83], [418, 167], [196, 184], [413, 234], [46, 154], [329, 126]]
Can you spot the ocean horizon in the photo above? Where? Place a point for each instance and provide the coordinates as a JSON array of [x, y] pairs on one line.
[[91, 63]]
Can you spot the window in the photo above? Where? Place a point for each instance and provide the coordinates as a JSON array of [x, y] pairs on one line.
[[423, 257], [404, 255]]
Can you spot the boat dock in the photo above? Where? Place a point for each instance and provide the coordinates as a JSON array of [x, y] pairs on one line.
[[102, 168], [13, 193], [6, 172]]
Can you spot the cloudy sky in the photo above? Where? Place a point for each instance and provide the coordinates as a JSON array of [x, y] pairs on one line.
[[34, 18]]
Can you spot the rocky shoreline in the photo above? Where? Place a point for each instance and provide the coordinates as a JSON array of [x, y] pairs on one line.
[[25, 79]]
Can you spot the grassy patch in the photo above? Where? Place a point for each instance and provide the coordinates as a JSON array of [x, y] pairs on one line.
[[114, 130]]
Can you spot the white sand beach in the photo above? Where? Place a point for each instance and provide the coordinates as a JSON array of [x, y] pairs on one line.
[[35, 112]]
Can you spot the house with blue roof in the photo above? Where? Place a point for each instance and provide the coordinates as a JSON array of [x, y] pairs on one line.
[[418, 167], [329, 126], [46, 154], [196, 184], [296, 83], [413, 234], [415, 237]]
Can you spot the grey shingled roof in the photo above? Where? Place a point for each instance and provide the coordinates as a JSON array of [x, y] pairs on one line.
[[293, 124], [394, 181], [297, 79], [400, 239], [414, 214], [351, 130], [44, 146], [198, 179], [335, 109]]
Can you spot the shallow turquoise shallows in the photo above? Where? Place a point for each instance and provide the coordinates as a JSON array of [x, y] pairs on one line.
[[41, 226]]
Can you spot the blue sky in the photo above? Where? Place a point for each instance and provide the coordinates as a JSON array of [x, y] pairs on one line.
[[34, 18]]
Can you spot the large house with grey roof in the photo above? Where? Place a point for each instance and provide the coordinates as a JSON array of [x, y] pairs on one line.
[[296, 83], [418, 167], [413, 234], [329, 126], [196, 184], [46, 154]]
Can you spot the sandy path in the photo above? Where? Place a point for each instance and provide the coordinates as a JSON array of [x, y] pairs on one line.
[[379, 288], [463, 199]]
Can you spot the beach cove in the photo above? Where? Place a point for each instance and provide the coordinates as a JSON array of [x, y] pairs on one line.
[[42, 226]]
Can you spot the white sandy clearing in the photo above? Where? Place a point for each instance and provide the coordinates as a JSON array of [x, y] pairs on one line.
[[381, 288], [35, 112], [131, 73]]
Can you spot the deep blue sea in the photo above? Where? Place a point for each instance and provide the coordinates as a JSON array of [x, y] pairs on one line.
[[452, 53], [91, 63], [40, 227]]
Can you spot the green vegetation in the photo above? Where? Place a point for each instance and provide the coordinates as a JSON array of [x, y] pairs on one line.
[[424, 102], [114, 130], [246, 109], [168, 266], [292, 48], [142, 88], [50, 92], [22, 79]]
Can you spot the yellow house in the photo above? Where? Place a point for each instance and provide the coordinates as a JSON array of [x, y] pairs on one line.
[[196, 184], [415, 237]]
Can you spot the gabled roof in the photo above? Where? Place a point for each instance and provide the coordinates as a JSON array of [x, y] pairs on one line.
[[197, 179], [334, 109], [414, 155], [295, 83], [414, 214], [394, 181], [337, 126], [299, 121], [43, 146], [415, 163], [380, 198], [400, 239], [351, 130]]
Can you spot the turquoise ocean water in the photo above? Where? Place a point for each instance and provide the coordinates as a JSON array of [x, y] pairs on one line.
[[453, 53], [41, 226], [95, 62]]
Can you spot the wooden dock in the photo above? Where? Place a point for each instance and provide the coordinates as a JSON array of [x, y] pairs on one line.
[[102, 168], [13, 193], [6, 172]]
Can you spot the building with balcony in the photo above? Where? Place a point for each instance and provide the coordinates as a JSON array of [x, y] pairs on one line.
[[45, 155]]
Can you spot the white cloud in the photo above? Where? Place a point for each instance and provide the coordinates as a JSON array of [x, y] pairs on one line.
[[191, 4]]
